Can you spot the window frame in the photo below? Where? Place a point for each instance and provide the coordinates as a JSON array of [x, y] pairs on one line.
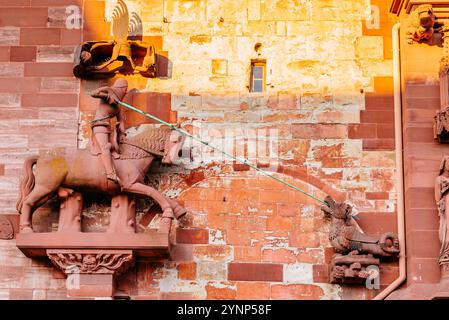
[[258, 63]]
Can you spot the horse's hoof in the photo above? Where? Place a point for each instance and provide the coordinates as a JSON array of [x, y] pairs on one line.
[[26, 229]]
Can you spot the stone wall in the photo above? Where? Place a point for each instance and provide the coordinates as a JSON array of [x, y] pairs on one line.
[[327, 104]]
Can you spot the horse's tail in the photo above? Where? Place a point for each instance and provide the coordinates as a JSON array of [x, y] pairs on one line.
[[26, 181]]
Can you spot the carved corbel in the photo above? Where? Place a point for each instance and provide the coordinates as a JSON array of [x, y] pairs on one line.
[[353, 268], [422, 24]]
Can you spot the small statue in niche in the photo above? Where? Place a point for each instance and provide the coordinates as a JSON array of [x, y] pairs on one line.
[[441, 198], [124, 54], [422, 24]]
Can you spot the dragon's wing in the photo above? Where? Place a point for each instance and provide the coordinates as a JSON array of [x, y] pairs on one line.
[[135, 26], [120, 20]]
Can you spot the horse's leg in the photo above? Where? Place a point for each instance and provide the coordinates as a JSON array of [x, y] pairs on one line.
[[178, 210], [37, 197], [142, 189]]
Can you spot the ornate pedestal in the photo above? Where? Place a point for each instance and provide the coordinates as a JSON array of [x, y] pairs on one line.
[[92, 261]]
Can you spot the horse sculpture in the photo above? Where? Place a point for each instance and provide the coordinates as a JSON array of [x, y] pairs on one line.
[[80, 170]]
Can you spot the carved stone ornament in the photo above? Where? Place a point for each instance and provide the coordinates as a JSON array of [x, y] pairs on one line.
[[91, 261], [353, 268], [6, 229], [441, 119], [356, 251], [123, 54], [346, 236], [422, 24]]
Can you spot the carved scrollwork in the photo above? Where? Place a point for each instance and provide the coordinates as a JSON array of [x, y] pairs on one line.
[[353, 268], [100, 262]]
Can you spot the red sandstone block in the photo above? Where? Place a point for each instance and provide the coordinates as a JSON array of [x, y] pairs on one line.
[[423, 244], [192, 236], [2, 169], [376, 117], [42, 3], [423, 219], [255, 272], [237, 237], [422, 91], [50, 100], [307, 240], [71, 37], [247, 253], [377, 222], [187, 271], [280, 255], [237, 166], [278, 223], [420, 198], [23, 53], [19, 85], [296, 292], [23, 17], [423, 270], [362, 131], [319, 131], [21, 294], [253, 291], [181, 252], [385, 131], [4, 53], [48, 69], [321, 273], [175, 296], [40, 36], [12, 3], [418, 134], [388, 273], [220, 293], [377, 195], [422, 103], [379, 101]]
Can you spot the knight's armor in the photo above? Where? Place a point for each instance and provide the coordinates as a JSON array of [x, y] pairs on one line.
[[101, 125]]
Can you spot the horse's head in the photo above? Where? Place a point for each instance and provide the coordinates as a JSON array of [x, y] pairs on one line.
[[173, 148]]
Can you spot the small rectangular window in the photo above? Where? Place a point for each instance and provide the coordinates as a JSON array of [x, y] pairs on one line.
[[258, 75]]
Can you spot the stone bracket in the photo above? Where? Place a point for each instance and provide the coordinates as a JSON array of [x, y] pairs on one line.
[[91, 273], [352, 268]]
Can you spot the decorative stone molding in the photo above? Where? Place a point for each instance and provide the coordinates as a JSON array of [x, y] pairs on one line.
[[353, 269], [91, 261]]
